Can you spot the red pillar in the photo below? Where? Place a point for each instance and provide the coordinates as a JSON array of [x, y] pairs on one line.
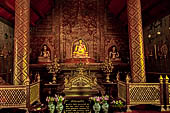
[[21, 41], [136, 44]]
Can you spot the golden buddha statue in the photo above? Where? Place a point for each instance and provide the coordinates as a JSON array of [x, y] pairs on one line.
[[80, 50], [44, 55]]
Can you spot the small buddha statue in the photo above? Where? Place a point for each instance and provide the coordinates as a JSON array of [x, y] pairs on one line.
[[5, 52], [44, 55], [164, 49], [80, 50], [2, 81], [114, 54]]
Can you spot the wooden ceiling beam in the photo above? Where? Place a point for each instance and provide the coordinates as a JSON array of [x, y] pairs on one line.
[[152, 6], [121, 12], [6, 22], [54, 3], [7, 9], [36, 12], [164, 11]]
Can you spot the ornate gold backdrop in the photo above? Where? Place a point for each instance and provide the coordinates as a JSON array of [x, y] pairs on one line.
[[70, 20], [79, 20]]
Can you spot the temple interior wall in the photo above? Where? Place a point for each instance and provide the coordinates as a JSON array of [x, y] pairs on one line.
[[71, 20]]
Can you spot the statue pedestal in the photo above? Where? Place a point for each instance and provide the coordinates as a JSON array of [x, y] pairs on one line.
[[78, 60], [43, 60], [116, 60], [80, 92]]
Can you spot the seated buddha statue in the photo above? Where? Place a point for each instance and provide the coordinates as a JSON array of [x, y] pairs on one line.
[[80, 50], [114, 54], [44, 55]]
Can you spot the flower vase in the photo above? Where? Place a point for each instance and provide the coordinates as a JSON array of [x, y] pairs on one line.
[[105, 107], [96, 107], [59, 107], [51, 107]]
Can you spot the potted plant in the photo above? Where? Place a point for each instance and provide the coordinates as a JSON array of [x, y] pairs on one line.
[[59, 100], [117, 104]]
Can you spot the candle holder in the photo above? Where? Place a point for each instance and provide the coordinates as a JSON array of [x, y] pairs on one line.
[[107, 68], [54, 68]]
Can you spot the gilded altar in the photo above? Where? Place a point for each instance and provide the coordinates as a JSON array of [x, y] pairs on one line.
[[81, 84], [79, 33]]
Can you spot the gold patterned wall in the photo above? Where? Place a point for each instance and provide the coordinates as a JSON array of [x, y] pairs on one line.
[[115, 34], [78, 19]]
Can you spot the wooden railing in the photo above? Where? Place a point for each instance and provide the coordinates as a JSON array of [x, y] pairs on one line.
[[19, 96], [167, 91], [140, 93]]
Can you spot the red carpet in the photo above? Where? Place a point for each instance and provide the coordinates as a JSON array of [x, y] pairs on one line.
[[144, 111]]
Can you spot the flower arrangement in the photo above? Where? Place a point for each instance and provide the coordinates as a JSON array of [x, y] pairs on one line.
[[117, 103], [59, 99], [50, 99], [96, 99], [51, 105], [105, 98]]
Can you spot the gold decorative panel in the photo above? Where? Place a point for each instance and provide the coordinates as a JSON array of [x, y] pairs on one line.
[[122, 90], [141, 93], [169, 92], [81, 79], [13, 97], [79, 21], [81, 84], [21, 41], [19, 96], [71, 20], [136, 41], [34, 92], [144, 94]]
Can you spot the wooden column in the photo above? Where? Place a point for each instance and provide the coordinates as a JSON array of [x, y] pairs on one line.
[[21, 41], [136, 45]]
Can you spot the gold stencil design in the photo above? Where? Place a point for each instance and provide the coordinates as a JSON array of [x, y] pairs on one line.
[[21, 41], [136, 41]]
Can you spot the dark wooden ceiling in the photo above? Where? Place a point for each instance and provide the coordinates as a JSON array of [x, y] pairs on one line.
[[39, 9], [151, 9]]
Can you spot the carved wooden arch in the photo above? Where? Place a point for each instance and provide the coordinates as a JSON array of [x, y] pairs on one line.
[[81, 82]]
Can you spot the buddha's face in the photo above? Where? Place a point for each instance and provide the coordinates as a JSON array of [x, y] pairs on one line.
[[45, 47], [80, 41], [114, 49]]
